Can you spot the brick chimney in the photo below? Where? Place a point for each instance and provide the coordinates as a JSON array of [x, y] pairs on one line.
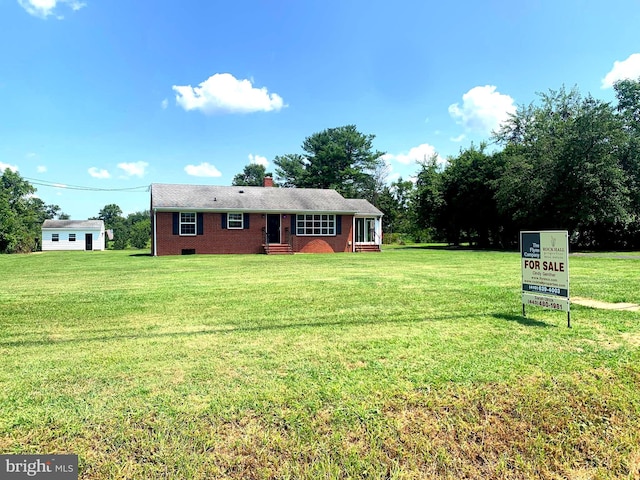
[[268, 182]]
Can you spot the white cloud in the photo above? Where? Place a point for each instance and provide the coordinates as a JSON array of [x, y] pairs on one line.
[[223, 93], [4, 166], [134, 169], [483, 109], [44, 8], [202, 170], [60, 185], [459, 138], [99, 173], [41, 169], [626, 69], [259, 159], [393, 177], [416, 154], [164, 104]]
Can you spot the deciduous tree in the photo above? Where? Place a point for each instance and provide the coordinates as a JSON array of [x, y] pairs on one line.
[[562, 167], [628, 95], [110, 214], [21, 214], [140, 233]]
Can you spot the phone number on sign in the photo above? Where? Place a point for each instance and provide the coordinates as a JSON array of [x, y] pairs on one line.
[[538, 302], [543, 289]]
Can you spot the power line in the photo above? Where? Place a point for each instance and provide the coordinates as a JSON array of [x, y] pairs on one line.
[[45, 183]]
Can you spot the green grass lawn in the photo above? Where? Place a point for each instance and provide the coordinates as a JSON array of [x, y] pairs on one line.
[[412, 363]]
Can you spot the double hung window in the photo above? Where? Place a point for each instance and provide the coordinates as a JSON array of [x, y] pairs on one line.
[[187, 223], [235, 220]]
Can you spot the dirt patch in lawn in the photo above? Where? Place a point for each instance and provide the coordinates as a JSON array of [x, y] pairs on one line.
[[588, 302]]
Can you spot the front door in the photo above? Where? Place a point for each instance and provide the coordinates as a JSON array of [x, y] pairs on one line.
[[273, 228], [88, 241]]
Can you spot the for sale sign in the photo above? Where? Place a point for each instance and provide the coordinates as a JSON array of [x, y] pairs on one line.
[[545, 269]]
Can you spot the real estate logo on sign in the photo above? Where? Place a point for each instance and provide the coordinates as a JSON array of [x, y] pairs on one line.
[[545, 269]]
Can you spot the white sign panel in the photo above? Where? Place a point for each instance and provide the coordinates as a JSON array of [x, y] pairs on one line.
[[545, 269]]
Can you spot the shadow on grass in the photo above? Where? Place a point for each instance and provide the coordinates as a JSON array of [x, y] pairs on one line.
[[219, 331], [452, 248], [140, 255], [419, 246], [529, 322]]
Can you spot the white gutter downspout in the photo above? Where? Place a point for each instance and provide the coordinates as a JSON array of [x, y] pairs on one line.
[[155, 237]]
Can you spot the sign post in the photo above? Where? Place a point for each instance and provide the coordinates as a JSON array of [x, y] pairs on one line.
[[545, 270]]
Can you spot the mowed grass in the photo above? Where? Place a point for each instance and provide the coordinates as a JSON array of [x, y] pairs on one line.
[[412, 363]]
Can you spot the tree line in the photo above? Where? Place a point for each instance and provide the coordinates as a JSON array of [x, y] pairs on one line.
[[132, 231], [566, 161]]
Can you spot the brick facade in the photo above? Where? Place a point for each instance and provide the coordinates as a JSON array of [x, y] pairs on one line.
[[338, 243], [215, 239]]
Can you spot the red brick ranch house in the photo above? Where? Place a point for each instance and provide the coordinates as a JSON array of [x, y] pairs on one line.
[[188, 219]]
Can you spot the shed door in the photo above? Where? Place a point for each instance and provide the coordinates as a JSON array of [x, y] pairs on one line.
[[88, 241]]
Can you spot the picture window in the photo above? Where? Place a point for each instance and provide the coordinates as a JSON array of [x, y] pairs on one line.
[[316, 225]]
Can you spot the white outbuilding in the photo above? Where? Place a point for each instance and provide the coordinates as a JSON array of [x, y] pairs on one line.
[[73, 235]]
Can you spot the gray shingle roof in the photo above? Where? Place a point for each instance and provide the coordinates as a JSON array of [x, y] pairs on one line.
[[248, 199], [74, 224], [363, 207]]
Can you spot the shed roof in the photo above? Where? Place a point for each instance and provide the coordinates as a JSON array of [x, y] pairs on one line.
[[250, 199], [74, 224]]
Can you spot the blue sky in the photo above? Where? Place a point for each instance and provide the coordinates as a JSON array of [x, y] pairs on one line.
[[113, 95]]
